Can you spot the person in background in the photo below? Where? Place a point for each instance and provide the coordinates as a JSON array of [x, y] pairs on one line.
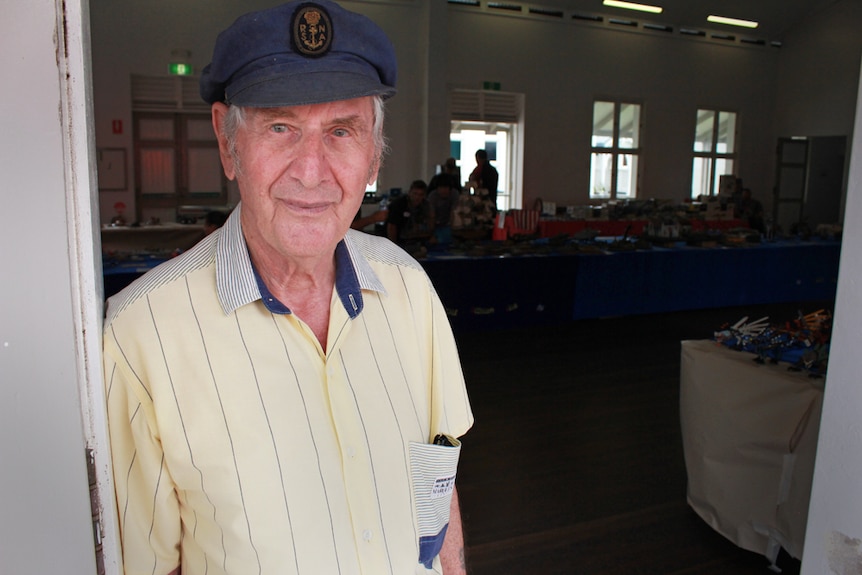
[[450, 172], [361, 222], [286, 396], [484, 176], [411, 218], [750, 210], [213, 221], [443, 200], [735, 196]]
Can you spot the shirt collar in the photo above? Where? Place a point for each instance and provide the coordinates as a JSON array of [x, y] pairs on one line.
[[237, 283]]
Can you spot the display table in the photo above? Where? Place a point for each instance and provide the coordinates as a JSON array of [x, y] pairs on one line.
[[674, 279], [156, 238], [495, 292], [500, 291], [552, 228], [749, 435]]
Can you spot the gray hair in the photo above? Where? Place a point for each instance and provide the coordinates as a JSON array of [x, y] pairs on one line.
[[235, 118]]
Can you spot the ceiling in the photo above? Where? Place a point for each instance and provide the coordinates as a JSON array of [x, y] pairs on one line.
[[776, 17]]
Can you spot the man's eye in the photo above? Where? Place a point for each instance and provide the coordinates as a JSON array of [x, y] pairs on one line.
[[340, 132], [278, 128]]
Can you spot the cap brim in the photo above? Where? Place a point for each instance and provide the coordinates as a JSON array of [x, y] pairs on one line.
[[307, 88]]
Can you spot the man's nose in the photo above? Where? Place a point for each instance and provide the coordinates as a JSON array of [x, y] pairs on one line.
[[309, 164]]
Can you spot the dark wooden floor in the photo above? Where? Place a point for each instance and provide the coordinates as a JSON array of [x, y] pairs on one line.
[[575, 463]]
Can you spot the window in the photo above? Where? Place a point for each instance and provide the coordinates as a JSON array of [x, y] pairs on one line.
[[177, 164], [615, 150], [176, 154], [714, 151]]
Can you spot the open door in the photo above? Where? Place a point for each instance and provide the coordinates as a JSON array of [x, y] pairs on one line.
[[810, 182], [825, 190], [791, 175]]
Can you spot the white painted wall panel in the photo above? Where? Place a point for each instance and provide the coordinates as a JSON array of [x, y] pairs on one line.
[[44, 496]]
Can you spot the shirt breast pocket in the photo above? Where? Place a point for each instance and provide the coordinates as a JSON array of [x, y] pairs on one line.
[[433, 467]]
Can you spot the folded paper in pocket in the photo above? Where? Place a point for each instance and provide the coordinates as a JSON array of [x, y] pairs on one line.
[[433, 470]]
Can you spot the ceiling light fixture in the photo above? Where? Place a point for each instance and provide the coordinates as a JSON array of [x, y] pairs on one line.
[[633, 6], [732, 21]]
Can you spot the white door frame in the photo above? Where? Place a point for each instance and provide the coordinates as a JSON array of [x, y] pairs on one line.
[[85, 258]]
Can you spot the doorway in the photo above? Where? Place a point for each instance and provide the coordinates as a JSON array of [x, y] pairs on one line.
[[810, 183], [496, 139]]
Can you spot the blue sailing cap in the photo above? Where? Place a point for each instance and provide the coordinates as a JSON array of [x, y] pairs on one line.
[[299, 53]]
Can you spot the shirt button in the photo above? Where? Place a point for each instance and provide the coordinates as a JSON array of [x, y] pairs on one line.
[[367, 534], [351, 452]]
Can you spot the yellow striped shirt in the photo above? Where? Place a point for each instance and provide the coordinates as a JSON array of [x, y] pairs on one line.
[[240, 446]]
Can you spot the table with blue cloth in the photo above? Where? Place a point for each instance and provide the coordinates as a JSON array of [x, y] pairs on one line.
[[498, 291], [501, 291], [117, 273], [674, 279], [130, 251], [510, 287], [168, 237]]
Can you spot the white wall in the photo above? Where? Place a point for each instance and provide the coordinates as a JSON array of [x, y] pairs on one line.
[[833, 539], [818, 71], [563, 66], [44, 495]]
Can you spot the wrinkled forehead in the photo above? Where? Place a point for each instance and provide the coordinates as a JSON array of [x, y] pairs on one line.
[[357, 113]]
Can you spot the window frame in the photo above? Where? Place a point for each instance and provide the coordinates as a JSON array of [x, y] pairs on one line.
[[712, 156], [182, 145], [616, 151], [502, 162]]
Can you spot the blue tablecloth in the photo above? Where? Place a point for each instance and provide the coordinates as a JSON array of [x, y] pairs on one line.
[[505, 291], [118, 273], [494, 292], [498, 291], [662, 280]]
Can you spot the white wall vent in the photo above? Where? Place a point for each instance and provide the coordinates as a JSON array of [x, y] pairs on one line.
[[166, 94], [486, 106]]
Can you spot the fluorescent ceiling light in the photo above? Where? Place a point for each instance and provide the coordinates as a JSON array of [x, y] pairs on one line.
[[732, 21], [633, 6]]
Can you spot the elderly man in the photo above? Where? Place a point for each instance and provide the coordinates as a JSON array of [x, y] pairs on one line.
[[286, 397]]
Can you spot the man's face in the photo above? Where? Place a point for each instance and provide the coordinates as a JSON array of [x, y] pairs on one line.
[[302, 174], [417, 196]]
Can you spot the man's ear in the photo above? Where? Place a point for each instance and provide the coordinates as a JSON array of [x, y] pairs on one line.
[[219, 112], [374, 169]]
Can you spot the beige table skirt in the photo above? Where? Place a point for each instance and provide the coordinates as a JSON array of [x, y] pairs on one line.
[[749, 434]]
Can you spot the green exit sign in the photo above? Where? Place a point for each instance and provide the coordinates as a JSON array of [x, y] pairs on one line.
[[491, 86], [180, 69]]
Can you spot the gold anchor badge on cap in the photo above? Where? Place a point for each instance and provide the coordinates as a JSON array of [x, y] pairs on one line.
[[312, 30]]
